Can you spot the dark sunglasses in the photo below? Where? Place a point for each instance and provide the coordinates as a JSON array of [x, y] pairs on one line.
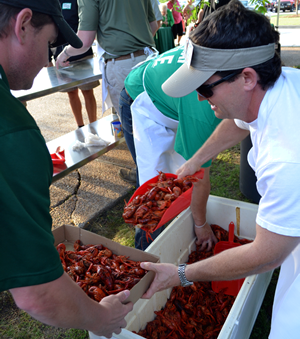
[[206, 90]]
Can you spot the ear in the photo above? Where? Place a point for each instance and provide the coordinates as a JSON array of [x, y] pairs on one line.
[[250, 78], [23, 24]]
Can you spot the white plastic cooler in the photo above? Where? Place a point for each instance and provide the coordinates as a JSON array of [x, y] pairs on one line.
[[174, 246]]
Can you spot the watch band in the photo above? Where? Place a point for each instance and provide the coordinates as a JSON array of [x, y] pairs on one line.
[[183, 280]]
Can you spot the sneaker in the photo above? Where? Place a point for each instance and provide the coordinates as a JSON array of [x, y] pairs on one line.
[[128, 175]]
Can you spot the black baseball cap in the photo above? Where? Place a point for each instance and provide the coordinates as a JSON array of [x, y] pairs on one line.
[[53, 9]]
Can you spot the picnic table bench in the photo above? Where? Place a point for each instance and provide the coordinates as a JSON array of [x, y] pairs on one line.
[[50, 80]]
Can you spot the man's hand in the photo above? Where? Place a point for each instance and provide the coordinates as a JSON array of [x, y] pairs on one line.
[[188, 168], [114, 312], [205, 237], [166, 275], [62, 60]]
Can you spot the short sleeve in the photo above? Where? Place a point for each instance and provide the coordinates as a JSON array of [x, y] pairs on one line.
[[279, 185]]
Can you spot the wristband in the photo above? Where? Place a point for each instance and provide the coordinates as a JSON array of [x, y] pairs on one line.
[[200, 226], [64, 50]]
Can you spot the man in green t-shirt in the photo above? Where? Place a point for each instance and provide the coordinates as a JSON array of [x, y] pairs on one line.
[[30, 264], [165, 132], [124, 31]]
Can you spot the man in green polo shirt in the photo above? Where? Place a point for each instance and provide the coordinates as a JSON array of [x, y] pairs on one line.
[[165, 132], [124, 31], [30, 265]]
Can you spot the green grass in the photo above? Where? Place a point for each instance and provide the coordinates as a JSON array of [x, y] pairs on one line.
[[287, 20], [17, 324]]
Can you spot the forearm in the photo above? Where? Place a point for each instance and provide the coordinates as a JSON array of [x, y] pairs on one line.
[[205, 237], [154, 27], [200, 196], [226, 135], [62, 303], [266, 252], [87, 38], [232, 264], [200, 15]]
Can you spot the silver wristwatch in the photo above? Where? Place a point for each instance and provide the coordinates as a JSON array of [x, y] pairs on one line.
[[183, 280]]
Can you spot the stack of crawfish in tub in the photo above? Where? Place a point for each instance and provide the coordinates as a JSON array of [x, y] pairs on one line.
[[145, 211], [98, 271], [196, 311]]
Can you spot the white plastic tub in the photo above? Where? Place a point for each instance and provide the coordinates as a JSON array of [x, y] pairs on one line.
[[174, 246]]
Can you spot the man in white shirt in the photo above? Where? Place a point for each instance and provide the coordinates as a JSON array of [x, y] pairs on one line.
[[238, 71]]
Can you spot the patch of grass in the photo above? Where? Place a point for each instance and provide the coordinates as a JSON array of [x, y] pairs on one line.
[[286, 20], [17, 324], [225, 173], [125, 236], [110, 224]]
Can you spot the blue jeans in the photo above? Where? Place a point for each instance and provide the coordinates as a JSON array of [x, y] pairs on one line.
[[125, 102], [126, 121]]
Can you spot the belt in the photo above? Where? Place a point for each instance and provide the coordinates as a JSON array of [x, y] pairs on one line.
[[127, 56]]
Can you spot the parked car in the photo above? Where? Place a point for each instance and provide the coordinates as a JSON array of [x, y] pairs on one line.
[[285, 5]]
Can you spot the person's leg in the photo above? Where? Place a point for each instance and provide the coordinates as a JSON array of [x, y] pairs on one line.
[[76, 107], [141, 242], [179, 32], [90, 104], [174, 31], [126, 120]]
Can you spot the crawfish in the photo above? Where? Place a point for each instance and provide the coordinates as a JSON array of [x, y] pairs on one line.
[[105, 276], [77, 244], [61, 248], [129, 211], [141, 211], [97, 293], [161, 176], [176, 191]]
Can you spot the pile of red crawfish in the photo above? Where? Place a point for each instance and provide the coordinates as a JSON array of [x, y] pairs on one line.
[[145, 211], [194, 312], [98, 271]]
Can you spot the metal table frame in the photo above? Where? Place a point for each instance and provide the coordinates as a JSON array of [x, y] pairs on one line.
[[77, 159], [50, 80]]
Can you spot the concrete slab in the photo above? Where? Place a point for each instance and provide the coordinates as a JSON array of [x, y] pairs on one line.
[[289, 37], [290, 56]]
